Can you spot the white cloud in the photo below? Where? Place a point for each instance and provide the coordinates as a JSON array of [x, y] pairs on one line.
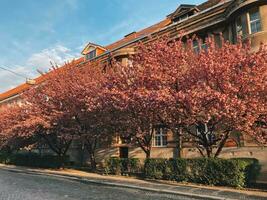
[[9, 80], [57, 55], [41, 61]]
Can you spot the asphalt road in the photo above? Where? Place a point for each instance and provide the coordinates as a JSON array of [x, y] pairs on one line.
[[19, 186]]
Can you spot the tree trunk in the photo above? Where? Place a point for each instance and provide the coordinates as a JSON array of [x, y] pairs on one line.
[[222, 143], [91, 147], [60, 150], [145, 146], [82, 147], [93, 162], [61, 161], [208, 151], [178, 143], [200, 151], [51, 146], [148, 152]]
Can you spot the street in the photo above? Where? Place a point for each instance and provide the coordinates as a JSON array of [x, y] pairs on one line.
[[19, 186]]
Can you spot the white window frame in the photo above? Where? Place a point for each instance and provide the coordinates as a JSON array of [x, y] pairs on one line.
[[204, 46], [160, 134], [183, 17], [206, 129], [91, 55], [241, 25], [196, 46], [254, 21]]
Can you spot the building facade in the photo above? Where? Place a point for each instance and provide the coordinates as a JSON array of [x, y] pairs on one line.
[[245, 19]]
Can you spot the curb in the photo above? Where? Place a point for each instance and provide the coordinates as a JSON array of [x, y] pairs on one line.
[[112, 184]]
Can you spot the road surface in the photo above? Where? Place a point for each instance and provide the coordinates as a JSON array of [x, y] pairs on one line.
[[20, 186]]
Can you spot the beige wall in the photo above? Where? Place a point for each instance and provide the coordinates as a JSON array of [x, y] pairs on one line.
[[263, 13]]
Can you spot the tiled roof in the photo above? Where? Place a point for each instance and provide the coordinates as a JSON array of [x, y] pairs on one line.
[[138, 34], [208, 4]]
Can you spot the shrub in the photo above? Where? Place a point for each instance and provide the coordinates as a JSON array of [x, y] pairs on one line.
[[120, 166], [155, 168], [177, 170], [34, 160], [130, 165], [212, 171], [209, 171], [4, 157], [251, 169], [113, 166]]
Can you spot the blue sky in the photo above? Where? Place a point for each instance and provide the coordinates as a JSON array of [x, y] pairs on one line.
[[35, 32]]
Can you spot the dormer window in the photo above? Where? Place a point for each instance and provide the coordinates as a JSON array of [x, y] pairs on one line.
[[183, 17], [91, 55], [92, 50], [183, 12]]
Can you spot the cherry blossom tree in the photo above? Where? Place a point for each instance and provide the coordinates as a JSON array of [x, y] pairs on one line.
[[208, 94], [224, 90], [17, 127], [69, 99], [138, 94]]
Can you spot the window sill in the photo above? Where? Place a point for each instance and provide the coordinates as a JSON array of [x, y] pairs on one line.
[[251, 35], [160, 146]]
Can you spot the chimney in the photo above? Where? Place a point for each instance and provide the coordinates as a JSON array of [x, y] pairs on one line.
[[130, 34]]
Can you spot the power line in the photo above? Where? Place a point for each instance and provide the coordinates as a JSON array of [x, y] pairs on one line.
[[28, 80], [13, 72]]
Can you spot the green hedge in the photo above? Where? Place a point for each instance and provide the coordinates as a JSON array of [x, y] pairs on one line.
[[3, 157], [34, 160], [251, 169], [232, 172], [122, 166], [155, 168]]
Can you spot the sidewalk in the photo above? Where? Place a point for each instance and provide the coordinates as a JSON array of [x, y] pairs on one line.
[[194, 191]]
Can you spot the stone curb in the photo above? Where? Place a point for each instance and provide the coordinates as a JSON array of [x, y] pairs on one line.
[[112, 184]]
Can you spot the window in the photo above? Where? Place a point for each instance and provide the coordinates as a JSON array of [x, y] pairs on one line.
[[160, 137], [91, 55], [239, 27], [196, 46], [204, 46], [201, 128], [183, 17], [125, 140], [205, 132], [254, 21], [199, 45]]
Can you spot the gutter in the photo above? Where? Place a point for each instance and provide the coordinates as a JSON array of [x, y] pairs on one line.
[[244, 4], [9, 98]]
